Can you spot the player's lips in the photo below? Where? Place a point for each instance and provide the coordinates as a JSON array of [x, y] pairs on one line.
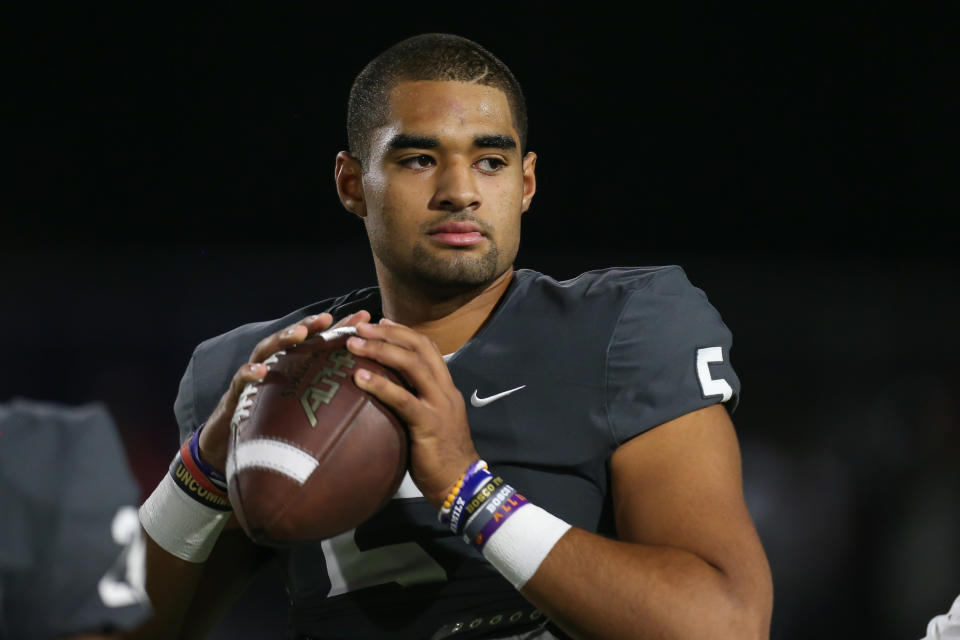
[[458, 234]]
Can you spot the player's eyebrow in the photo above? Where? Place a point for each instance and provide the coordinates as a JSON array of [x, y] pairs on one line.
[[496, 141], [408, 141], [412, 141]]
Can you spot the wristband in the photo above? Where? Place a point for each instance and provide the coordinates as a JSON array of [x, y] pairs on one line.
[[445, 510], [192, 481], [467, 494], [216, 477], [506, 509], [510, 532], [482, 516], [522, 541], [513, 534], [181, 525], [480, 502], [186, 512]]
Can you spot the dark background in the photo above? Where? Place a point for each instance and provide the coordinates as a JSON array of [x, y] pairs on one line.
[[168, 176]]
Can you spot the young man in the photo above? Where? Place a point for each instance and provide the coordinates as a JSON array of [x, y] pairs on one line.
[[625, 530]]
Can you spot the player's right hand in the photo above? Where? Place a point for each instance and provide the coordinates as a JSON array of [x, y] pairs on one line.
[[215, 434]]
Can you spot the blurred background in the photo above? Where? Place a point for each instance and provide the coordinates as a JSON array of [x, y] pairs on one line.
[[168, 176]]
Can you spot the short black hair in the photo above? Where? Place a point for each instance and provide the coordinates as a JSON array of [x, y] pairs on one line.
[[429, 56]]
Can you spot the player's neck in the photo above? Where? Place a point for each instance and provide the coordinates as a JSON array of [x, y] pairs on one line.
[[449, 321]]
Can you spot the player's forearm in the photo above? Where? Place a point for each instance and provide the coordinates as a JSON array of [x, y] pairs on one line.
[[171, 585], [594, 587], [189, 598]]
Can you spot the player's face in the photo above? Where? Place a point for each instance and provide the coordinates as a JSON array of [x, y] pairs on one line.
[[445, 186]]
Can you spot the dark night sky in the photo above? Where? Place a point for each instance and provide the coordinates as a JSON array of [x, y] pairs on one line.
[[738, 131]]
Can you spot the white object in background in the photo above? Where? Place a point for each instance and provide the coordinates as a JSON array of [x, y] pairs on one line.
[[947, 626]]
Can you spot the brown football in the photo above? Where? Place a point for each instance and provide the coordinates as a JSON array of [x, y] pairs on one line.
[[311, 455]]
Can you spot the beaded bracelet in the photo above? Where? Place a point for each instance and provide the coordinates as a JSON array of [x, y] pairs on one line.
[[513, 534]]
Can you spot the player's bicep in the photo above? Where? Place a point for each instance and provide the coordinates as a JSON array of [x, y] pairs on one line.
[[680, 485]]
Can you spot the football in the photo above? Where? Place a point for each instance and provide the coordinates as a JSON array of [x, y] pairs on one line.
[[310, 454]]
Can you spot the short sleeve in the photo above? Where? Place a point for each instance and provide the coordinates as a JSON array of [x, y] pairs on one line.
[[185, 405], [669, 354]]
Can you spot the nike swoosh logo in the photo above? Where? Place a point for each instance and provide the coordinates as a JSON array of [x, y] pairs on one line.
[[477, 401]]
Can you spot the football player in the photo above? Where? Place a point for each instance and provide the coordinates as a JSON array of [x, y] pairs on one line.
[[71, 549], [574, 469]]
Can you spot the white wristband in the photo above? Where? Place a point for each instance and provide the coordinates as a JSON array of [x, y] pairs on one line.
[[521, 543], [179, 524]]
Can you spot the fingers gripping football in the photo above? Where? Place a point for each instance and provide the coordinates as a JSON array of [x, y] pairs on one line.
[[213, 438], [440, 444]]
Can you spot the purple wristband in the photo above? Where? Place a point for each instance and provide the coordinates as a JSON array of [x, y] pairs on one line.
[[509, 507], [215, 476], [445, 514], [476, 521], [467, 491]]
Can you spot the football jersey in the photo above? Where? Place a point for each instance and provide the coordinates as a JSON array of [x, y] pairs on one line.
[[561, 374], [71, 552]]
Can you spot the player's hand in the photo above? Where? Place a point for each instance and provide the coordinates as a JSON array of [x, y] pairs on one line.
[[441, 448], [213, 438]]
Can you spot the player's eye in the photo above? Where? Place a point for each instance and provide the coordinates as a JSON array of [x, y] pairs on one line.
[[490, 165], [417, 162]]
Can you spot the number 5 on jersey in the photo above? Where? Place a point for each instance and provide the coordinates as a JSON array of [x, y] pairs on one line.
[[711, 386]]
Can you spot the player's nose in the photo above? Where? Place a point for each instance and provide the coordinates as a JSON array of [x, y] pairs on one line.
[[456, 187]]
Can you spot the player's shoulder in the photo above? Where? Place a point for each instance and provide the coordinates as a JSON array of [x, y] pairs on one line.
[[586, 313], [613, 282]]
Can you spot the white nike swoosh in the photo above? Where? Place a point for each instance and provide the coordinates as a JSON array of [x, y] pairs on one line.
[[477, 401]]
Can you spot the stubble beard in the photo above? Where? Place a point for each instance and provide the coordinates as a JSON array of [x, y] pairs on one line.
[[463, 271]]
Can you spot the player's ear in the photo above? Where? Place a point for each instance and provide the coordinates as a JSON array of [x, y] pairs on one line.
[[348, 175], [529, 179]]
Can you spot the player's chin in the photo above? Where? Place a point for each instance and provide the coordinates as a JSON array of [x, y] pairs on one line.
[[458, 267]]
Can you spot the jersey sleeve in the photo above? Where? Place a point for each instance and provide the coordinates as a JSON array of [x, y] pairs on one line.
[[669, 354], [211, 369], [185, 406]]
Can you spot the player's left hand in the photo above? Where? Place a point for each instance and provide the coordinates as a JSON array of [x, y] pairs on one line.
[[441, 448]]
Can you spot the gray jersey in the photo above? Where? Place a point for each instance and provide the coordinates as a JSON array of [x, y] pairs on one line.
[[560, 376], [71, 554]]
